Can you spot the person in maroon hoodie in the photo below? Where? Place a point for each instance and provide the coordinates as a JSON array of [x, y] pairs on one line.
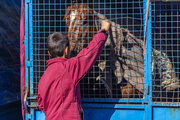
[[59, 89]]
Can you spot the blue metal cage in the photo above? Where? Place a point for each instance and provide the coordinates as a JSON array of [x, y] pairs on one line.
[[165, 38], [123, 83]]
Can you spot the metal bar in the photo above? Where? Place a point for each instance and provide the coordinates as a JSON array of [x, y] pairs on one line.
[[168, 104], [145, 49], [146, 24], [31, 48], [115, 106], [113, 100], [149, 63], [26, 42], [166, 0]]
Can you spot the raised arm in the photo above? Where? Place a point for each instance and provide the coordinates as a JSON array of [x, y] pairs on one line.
[[79, 66]]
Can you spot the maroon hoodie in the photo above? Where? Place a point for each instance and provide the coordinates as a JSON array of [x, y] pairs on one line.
[[59, 89]]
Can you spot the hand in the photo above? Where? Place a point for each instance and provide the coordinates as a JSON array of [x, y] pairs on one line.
[[105, 24]]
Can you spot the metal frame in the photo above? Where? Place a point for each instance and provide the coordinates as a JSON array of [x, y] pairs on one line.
[[144, 104], [27, 63], [29, 66], [28, 58], [163, 21], [149, 64]]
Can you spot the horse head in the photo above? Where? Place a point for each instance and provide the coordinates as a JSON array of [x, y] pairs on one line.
[[81, 26]]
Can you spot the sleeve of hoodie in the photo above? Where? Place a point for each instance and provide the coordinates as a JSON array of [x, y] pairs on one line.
[[78, 66]]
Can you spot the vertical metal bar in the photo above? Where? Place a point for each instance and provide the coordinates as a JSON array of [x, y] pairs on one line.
[[35, 45], [145, 59], [178, 48], [147, 15], [145, 65], [31, 48], [32, 113], [28, 52], [26, 42], [149, 63]]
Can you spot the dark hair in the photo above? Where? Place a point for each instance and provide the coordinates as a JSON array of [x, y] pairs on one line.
[[57, 42]]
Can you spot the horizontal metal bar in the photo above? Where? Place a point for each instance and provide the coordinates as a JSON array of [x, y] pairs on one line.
[[166, 104], [116, 106], [113, 100], [130, 106], [167, 0]]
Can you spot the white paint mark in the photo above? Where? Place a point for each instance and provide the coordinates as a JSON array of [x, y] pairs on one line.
[[72, 17]]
